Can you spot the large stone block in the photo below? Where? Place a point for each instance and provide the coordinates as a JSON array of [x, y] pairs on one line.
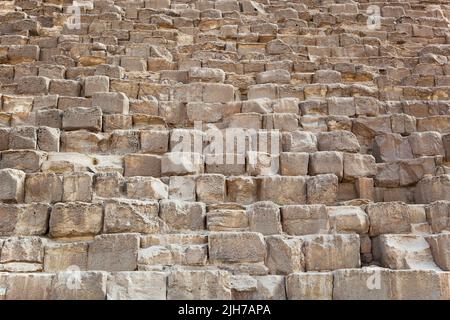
[[77, 187], [309, 286], [26, 160], [111, 102], [284, 254], [294, 163], [419, 285], [12, 187], [304, 219], [440, 248], [179, 215], [390, 217], [25, 250], [131, 216], [396, 251], [326, 162], [82, 118], [331, 252], [339, 140], [23, 219], [322, 188], [137, 285], [114, 252], [28, 286], [93, 84], [230, 247], [79, 285], [142, 165], [146, 188], [264, 217], [362, 284], [75, 219], [210, 188], [65, 256], [198, 285], [282, 190], [227, 219], [358, 165], [348, 219]]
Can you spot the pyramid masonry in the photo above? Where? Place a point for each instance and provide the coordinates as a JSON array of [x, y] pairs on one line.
[[228, 149]]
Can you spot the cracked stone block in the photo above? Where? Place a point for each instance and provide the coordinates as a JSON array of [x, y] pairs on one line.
[[180, 215], [264, 217], [65, 256], [304, 219], [12, 188], [309, 286], [88, 285], [138, 285], [236, 247]]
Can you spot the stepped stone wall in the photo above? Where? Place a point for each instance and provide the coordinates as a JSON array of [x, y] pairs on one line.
[[229, 149]]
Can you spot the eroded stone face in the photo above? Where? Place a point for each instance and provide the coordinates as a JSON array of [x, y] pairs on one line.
[[180, 149]]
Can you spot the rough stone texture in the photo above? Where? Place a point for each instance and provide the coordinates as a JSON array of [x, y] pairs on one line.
[[229, 149]]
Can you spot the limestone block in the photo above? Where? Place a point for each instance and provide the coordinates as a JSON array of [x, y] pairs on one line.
[[433, 188], [22, 138], [299, 141], [114, 252], [93, 84], [284, 254], [390, 147], [137, 285], [179, 215], [322, 188], [48, 139], [304, 219], [12, 188], [242, 189], [440, 248], [108, 184], [371, 283], [269, 287], [326, 162], [397, 251], [75, 219], [198, 284], [227, 220], [229, 247], [142, 165], [146, 188], [358, 165], [182, 188], [22, 249], [89, 285], [28, 286], [131, 216], [65, 87], [294, 163], [389, 217], [264, 217], [348, 219], [282, 190], [43, 187], [418, 285], [339, 140], [181, 163], [331, 252], [23, 219], [111, 102], [64, 256], [210, 188], [154, 141], [26, 160], [309, 286], [82, 118], [426, 144], [33, 85]]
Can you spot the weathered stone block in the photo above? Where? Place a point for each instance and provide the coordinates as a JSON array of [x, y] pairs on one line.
[[294, 163], [82, 118], [331, 252], [12, 187], [284, 254], [114, 252], [26, 160], [388, 218], [210, 188], [229, 247], [23, 219], [322, 188], [309, 286], [43, 187], [304, 219], [146, 188], [264, 217], [75, 219], [131, 216], [90, 285], [178, 215], [137, 285], [93, 84], [64, 256], [182, 284], [142, 165], [282, 190], [111, 102]]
